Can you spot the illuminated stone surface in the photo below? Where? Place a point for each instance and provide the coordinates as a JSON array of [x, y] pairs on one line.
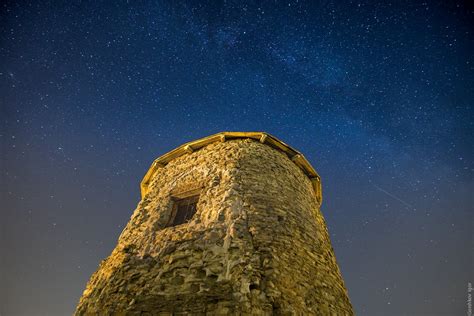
[[258, 243]]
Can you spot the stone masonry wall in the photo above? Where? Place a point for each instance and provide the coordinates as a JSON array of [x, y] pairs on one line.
[[257, 244], [299, 273]]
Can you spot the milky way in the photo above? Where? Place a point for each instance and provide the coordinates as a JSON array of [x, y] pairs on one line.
[[377, 96]]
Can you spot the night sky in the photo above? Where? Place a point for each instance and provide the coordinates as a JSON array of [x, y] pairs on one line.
[[377, 96]]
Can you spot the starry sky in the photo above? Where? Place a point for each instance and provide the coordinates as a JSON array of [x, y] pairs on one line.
[[378, 96]]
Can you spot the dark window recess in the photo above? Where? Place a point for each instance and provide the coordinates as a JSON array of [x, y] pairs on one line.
[[183, 210]]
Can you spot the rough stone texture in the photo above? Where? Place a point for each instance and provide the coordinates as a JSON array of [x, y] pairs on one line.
[[258, 243]]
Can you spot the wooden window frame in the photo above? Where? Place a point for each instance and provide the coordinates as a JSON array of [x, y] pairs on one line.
[[177, 200]]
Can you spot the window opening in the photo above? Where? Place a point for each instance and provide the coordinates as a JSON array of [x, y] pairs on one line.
[[183, 210]]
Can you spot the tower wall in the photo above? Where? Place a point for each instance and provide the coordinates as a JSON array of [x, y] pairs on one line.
[[257, 244], [298, 272]]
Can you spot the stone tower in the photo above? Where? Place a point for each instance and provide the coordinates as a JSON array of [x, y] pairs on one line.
[[228, 225]]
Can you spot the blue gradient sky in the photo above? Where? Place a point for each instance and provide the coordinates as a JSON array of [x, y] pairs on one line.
[[377, 96]]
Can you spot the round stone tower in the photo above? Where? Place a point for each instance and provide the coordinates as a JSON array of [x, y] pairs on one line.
[[228, 225]]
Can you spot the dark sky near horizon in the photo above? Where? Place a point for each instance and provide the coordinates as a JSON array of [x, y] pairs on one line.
[[377, 96]]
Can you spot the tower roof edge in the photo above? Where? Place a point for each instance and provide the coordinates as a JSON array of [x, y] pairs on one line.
[[263, 137]]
